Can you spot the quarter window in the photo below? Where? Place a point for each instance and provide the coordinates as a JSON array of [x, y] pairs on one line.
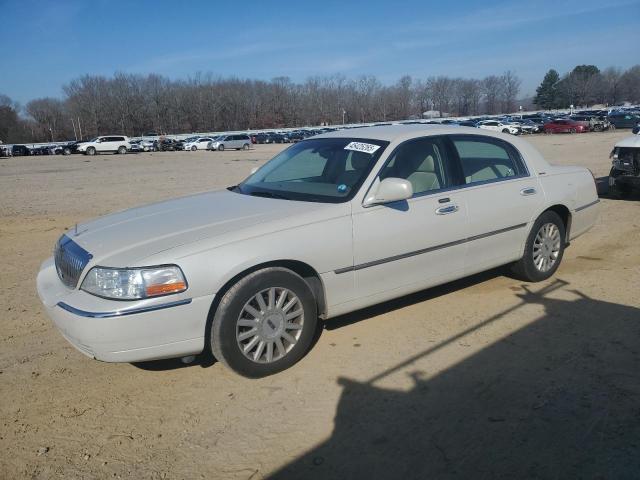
[[484, 159], [423, 162]]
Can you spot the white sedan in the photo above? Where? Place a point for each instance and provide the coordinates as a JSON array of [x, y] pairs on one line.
[[497, 126], [332, 224], [197, 143]]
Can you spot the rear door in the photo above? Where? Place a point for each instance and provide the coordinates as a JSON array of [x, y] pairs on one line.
[[409, 245], [501, 198]]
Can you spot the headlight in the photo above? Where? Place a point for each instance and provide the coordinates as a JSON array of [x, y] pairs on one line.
[[134, 283]]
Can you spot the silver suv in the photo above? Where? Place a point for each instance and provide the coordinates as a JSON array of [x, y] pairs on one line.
[[240, 141]]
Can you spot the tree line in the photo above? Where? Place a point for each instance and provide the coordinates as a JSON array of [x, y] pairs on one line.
[[587, 85], [132, 104]]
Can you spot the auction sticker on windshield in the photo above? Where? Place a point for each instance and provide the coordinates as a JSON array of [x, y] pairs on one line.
[[362, 147]]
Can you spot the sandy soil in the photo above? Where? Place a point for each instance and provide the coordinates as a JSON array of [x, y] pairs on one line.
[[482, 378]]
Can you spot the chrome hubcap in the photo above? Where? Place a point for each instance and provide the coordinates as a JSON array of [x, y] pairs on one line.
[[269, 325], [546, 247]]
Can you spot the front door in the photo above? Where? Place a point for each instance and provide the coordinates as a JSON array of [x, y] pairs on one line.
[[410, 245]]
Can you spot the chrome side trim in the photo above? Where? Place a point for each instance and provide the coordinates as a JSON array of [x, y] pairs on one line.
[[121, 313], [587, 205], [402, 256]]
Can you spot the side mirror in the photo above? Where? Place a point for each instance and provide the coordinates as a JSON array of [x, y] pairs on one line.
[[387, 191], [98, 140]]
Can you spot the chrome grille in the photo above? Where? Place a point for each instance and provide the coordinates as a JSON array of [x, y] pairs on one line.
[[70, 260]]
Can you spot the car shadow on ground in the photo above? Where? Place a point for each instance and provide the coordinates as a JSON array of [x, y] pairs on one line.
[[557, 398]]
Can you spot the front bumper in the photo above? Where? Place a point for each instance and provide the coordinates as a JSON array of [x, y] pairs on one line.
[[123, 331]]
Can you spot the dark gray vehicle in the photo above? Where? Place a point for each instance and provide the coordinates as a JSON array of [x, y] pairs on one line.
[[624, 176]]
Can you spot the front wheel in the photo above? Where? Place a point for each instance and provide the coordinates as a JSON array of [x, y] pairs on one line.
[[265, 323], [122, 150], [91, 151], [221, 147], [543, 250], [505, 130], [194, 148]]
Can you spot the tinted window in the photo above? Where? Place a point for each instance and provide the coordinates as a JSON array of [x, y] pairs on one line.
[[484, 159], [423, 162]]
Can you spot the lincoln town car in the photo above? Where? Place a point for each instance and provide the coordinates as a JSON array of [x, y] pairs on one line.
[[332, 224]]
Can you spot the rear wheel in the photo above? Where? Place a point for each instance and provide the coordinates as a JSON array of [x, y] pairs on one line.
[[265, 323], [245, 146], [572, 130], [543, 250]]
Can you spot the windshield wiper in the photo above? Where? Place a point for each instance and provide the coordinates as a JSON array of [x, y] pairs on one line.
[[268, 195]]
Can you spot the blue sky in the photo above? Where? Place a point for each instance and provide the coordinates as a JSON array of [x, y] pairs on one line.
[[44, 44]]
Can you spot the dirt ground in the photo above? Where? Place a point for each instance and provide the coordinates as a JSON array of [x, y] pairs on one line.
[[483, 378]]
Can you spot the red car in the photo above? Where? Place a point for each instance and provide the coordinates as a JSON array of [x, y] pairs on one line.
[[564, 126]]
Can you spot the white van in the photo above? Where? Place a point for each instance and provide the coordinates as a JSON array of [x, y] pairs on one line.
[[112, 143]]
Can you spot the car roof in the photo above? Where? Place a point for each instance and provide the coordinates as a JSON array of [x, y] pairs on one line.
[[630, 142], [399, 133]]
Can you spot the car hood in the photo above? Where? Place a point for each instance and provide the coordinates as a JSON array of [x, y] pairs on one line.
[[125, 238]]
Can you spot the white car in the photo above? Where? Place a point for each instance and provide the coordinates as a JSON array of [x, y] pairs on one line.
[[197, 143], [332, 224], [497, 126], [110, 143]]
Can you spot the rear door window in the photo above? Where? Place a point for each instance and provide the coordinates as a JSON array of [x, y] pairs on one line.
[[485, 159]]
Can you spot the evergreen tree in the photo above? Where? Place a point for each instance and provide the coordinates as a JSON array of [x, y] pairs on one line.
[[547, 94]]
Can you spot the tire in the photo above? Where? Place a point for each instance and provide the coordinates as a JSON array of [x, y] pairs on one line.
[[122, 150], [572, 130], [66, 151], [194, 148], [91, 151], [526, 268], [227, 342], [221, 147], [505, 130], [245, 146]]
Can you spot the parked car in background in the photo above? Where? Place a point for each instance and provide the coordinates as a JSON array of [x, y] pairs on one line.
[[584, 120], [168, 145], [330, 225], [70, 147], [18, 151], [525, 126], [148, 145], [563, 125], [624, 120], [136, 147], [105, 144], [624, 176], [197, 143], [497, 126], [238, 141]]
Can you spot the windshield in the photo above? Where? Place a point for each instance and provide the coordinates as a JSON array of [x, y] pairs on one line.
[[328, 170]]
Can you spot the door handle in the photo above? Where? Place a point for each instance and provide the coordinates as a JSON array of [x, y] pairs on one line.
[[446, 210], [528, 191]]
